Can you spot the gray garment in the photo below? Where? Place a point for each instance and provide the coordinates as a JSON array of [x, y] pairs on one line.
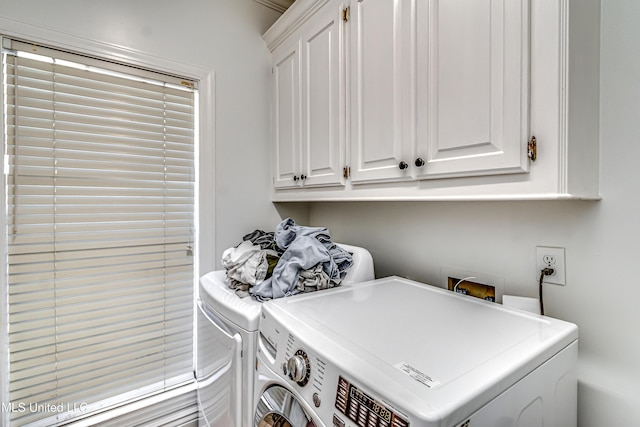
[[242, 289], [305, 247], [262, 238], [314, 279], [287, 231]]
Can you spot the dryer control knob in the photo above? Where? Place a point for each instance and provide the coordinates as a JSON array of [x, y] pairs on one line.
[[298, 368]]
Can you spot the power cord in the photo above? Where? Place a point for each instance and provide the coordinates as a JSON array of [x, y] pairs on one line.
[[548, 271]]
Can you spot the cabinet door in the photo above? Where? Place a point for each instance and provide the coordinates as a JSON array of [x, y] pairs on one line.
[[473, 87], [381, 34], [323, 98], [286, 115]]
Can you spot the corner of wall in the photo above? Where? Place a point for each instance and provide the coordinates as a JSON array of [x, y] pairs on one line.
[[300, 212]]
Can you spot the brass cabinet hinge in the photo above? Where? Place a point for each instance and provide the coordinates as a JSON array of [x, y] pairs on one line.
[[346, 172], [532, 149], [345, 14]]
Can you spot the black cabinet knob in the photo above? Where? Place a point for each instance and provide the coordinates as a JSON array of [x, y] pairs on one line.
[[419, 162], [303, 177], [403, 165], [296, 178]]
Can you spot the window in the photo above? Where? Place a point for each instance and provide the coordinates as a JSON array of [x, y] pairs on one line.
[[100, 222]]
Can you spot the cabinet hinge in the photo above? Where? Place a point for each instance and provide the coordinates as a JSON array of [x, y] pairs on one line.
[[345, 14], [346, 172], [532, 149]]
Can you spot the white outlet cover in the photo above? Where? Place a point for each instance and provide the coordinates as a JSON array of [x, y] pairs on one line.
[[558, 278]]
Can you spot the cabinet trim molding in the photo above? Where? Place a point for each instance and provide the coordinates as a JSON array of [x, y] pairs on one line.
[[290, 21], [277, 5]]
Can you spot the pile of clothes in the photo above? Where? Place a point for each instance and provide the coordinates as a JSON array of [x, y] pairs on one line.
[[288, 261]]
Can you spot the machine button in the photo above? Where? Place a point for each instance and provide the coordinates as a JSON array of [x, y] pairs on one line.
[[316, 400]]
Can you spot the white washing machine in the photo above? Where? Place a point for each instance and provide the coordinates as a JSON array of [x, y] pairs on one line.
[[393, 352], [226, 344]]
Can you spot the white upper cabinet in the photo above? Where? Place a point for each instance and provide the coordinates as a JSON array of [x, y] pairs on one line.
[[436, 100], [438, 89], [286, 115], [473, 60], [382, 107], [323, 84], [308, 103]]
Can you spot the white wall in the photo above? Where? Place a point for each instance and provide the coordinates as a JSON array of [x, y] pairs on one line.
[[601, 238], [221, 35]]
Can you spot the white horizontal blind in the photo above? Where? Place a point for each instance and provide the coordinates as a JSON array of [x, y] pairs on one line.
[[100, 208]]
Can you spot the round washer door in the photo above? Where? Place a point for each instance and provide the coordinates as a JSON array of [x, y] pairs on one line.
[[278, 407]]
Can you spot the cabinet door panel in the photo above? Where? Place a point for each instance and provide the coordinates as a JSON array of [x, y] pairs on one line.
[[377, 75], [323, 98], [477, 90], [463, 103], [286, 116]]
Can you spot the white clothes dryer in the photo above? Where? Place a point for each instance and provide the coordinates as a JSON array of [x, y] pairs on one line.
[[227, 335], [397, 353]]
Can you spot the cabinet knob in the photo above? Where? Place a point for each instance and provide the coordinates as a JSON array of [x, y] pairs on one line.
[[303, 177], [296, 178], [403, 165], [419, 162]]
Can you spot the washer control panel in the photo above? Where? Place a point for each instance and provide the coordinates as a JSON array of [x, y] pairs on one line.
[[362, 409]]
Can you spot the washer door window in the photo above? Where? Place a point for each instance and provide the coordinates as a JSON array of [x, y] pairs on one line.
[[278, 407]]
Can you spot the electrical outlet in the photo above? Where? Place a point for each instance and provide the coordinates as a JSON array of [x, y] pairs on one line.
[[552, 258]]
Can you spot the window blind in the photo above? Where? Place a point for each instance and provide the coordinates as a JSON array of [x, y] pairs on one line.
[[100, 219]]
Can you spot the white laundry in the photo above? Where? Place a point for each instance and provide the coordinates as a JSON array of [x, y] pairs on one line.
[[247, 263]]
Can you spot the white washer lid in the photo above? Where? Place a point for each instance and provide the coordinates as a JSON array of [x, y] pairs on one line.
[[215, 292], [423, 343]]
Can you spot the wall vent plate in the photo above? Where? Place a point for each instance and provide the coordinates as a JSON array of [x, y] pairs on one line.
[[482, 279], [471, 288]]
